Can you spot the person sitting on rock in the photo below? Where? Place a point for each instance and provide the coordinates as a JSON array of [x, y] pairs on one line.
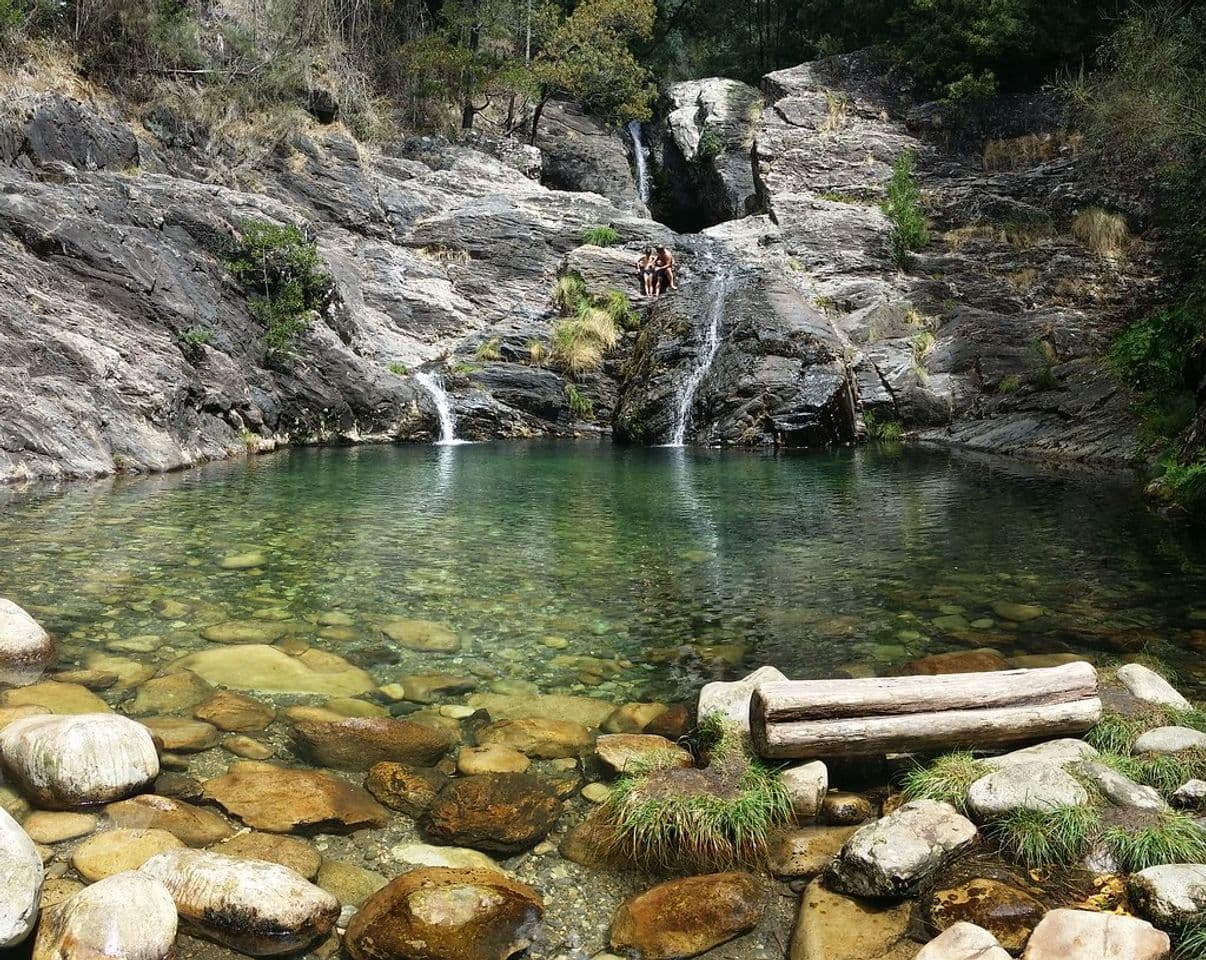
[[663, 264], [647, 272]]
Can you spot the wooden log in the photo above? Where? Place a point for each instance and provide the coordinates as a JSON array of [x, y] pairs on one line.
[[788, 701], [923, 732]]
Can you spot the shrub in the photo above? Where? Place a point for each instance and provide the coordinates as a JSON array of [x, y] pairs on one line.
[[569, 293], [11, 17], [193, 340], [1149, 356], [537, 353], [488, 350], [711, 144], [281, 265], [1106, 234], [398, 369], [970, 87], [617, 306], [1009, 384], [903, 208], [888, 430], [1186, 484], [600, 236], [580, 404], [1037, 839]]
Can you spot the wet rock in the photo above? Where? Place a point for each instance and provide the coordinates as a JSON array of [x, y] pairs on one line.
[[806, 785], [633, 751], [583, 155], [503, 813], [428, 855], [243, 561], [1191, 794], [1170, 740], [178, 735], [9, 714], [20, 882], [430, 687], [171, 694], [963, 941], [277, 800], [1150, 687], [46, 827], [958, 661], [114, 851], [806, 852], [26, 650], [235, 713], [81, 760], [537, 737], [248, 748], [1024, 786], [684, 918], [192, 825], [894, 856], [257, 908], [633, 717], [61, 698], [57, 889], [348, 883], [424, 636], [1008, 913], [128, 673], [1084, 935], [731, 700], [292, 852], [1172, 896], [840, 808], [357, 743], [1017, 612], [243, 631], [493, 758], [673, 724], [127, 916], [270, 670], [586, 711], [1119, 790], [439, 913], [404, 788], [590, 843], [830, 926]]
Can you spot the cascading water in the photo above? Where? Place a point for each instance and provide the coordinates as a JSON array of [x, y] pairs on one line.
[[435, 386], [703, 363], [640, 157]]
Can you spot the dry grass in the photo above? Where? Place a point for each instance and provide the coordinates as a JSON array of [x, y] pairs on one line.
[[579, 342], [1019, 152], [1020, 236], [1104, 233], [837, 110]]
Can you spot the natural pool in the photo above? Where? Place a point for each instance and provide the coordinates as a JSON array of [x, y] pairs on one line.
[[626, 573]]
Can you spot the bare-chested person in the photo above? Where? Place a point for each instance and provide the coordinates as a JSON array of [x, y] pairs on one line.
[[646, 269], [663, 264]]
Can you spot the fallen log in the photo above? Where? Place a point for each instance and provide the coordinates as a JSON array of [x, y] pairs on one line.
[[879, 715]]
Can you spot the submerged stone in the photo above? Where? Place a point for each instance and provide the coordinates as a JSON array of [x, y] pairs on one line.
[[268, 669], [243, 631], [114, 851], [357, 743], [424, 636], [1006, 912], [26, 650], [503, 813], [830, 926]]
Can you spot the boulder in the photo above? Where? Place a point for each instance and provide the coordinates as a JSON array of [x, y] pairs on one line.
[[404, 788], [63, 698], [271, 670], [66, 131], [292, 852], [622, 752], [257, 908], [958, 661], [963, 941], [1006, 912], [503, 813], [1171, 895], [1148, 686], [1190, 794], [686, 917], [586, 711], [806, 852], [276, 800], [894, 856], [841, 808], [1024, 786], [634, 717], [441, 913], [1086, 935], [80, 760], [115, 851], [424, 636], [583, 155], [806, 785], [21, 877], [357, 743], [537, 737], [178, 735], [192, 825], [46, 827], [234, 712], [170, 694], [1170, 740], [830, 926], [128, 916], [1059, 753], [1119, 790], [26, 650], [731, 700]]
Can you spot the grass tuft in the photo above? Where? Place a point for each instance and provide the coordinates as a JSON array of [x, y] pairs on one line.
[[1106, 234], [947, 778], [1115, 733], [538, 353], [489, 350], [569, 292], [1190, 942], [600, 236], [1045, 838], [1173, 838], [580, 404]]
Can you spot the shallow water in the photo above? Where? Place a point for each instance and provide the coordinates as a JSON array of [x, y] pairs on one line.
[[666, 566]]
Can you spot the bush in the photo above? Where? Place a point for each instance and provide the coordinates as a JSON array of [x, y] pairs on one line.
[[1106, 234], [1170, 838], [580, 404], [569, 293], [398, 369], [1150, 355], [281, 265], [910, 231], [488, 350], [193, 340], [711, 144], [1186, 484], [887, 430], [617, 306], [1009, 384], [600, 236]]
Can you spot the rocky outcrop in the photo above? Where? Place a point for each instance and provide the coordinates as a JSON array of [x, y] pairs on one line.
[[582, 155]]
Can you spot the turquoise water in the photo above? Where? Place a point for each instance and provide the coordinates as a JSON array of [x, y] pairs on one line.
[[628, 573]]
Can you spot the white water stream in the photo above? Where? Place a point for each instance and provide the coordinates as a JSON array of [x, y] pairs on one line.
[[435, 386], [703, 363], [640, 155]]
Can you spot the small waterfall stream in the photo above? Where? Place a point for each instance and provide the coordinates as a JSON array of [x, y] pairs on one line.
[[703, 363], [640, 155], [435, 386]]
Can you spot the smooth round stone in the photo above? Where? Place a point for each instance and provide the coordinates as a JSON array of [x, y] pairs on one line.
[[235, 712], [123, 917], [57, 889], [171, 694], [292, 852], [688, 916], [25, 648], [1170, 740], [555, 643], [1017, 612], [248, 748], [423, 636], [182, 736], [272, 670], [839, 808], [339, 634], [634, 717], [47, 827], [146, 643], [113, 851], [491, 759], [983, 623], [194, 826], [248, 560], [334, 618], [60, 698], [457, 711], [348, 883], [596, 792], [351, 707], [429, 855], [1006, 912], [242, 631], [21, 879], [129, 673]]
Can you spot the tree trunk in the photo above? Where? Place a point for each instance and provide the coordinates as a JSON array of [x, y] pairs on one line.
[[536, 113]]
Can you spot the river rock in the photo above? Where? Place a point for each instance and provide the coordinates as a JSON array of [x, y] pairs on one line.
[[806, 852], [292, 852], [622, 752], [235, 713], [127, 916], [192, 825], [1024, 786], [1087, 935], [26, 650], [9, 714], [1148, 686], [425, 636], [271, 670], [840, 808], [430, 687], [20, 882], [243, 631], [963, 941], [178, 735], [958, 661], [276, 800], [81, 760], [61, 698], [404, 788], [806, 785], [1190, 794], [894, 856], [537, 737], [830, 926], [633, 717], [248, 560], [114, 851], [1059, 753], [46, 827], [429, 855], [1005, 911], [171, 694], [1171, 895], [356, 743], [503, 813], [731, 700], [686, 917], [1017, 612], [1119, 790], [493, 758], [348, 883], [440, 913], [1170, 740], [257, 908], [586, 711]]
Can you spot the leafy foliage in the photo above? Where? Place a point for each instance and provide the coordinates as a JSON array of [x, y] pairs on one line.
[[910, 231], [193, 340]]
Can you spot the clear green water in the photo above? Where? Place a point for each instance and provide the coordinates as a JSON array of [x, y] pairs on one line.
[[684, 565]]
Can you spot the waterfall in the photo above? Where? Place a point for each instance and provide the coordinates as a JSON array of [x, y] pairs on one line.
[[641, 159], [435, 386], [703, 363]]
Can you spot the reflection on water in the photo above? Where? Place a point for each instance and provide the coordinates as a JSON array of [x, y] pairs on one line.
[[684, 564]]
